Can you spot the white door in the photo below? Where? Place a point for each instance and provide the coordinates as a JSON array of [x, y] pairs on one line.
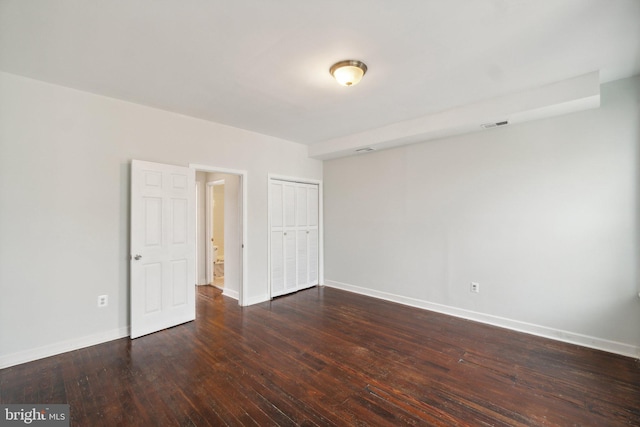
[[277, 238], [313, 235], [162, 246], [307, 235], [289, 231], [294, 236]]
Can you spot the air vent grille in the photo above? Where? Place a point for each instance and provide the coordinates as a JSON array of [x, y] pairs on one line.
[[494, 125]]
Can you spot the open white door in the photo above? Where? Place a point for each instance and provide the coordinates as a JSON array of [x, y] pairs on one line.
[[162, 246]]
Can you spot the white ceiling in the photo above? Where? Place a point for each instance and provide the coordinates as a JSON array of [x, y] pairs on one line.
[[262, 65]]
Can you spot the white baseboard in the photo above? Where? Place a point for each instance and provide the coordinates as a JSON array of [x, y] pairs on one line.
[[516, 325], [12, 359], [230, 293], [61, 347], [257, 300], [17, 358]]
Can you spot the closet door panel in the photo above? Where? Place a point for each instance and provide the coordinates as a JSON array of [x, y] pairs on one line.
[[290, 267], [313, 257], [313, 243], [277, 212], [277, 263], [289, 195], [277, 239], [313, 206], [302, 207], [302, 258]]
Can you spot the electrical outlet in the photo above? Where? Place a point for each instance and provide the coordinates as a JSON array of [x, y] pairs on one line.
[[475, 287], [103, 300]]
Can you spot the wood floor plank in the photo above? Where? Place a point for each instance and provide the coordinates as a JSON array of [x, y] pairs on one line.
[[324, 357]]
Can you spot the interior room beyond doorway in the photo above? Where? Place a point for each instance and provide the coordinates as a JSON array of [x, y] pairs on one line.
[[215, 232], [218, 230]]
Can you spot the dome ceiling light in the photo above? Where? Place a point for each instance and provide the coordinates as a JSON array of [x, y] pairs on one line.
[[349, 72]]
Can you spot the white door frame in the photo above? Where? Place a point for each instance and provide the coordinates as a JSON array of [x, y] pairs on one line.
[[244, 244], [320, 223], [197, 274], [209, 220]]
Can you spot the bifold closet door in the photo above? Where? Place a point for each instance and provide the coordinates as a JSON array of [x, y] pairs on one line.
[[294, 236], [276, 251], [314, 242], [302, 237], [289, 232], [307, 234]]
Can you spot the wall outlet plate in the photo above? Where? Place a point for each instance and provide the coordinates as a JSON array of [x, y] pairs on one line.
[[475, 287], [103, 300]]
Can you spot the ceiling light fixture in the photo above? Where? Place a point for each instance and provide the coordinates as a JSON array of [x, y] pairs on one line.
[[348, 73]]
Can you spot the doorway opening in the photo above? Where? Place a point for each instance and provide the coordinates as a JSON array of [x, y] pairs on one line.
[[216, 231], [221, 219]]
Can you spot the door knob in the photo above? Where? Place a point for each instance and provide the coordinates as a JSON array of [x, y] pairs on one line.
[[137, 257]]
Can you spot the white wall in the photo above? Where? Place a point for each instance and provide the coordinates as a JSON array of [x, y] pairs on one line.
[[544, 215], [64, 206]]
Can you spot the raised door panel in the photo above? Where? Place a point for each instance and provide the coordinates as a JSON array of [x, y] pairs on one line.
[[179, 222], [152, 207], [179, 283], [152, 285]]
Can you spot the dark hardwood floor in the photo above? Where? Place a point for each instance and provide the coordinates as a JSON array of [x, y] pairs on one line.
[[328, 357]]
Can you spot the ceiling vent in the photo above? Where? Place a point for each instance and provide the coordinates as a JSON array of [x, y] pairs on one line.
[[494, 125], [365, 150]]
